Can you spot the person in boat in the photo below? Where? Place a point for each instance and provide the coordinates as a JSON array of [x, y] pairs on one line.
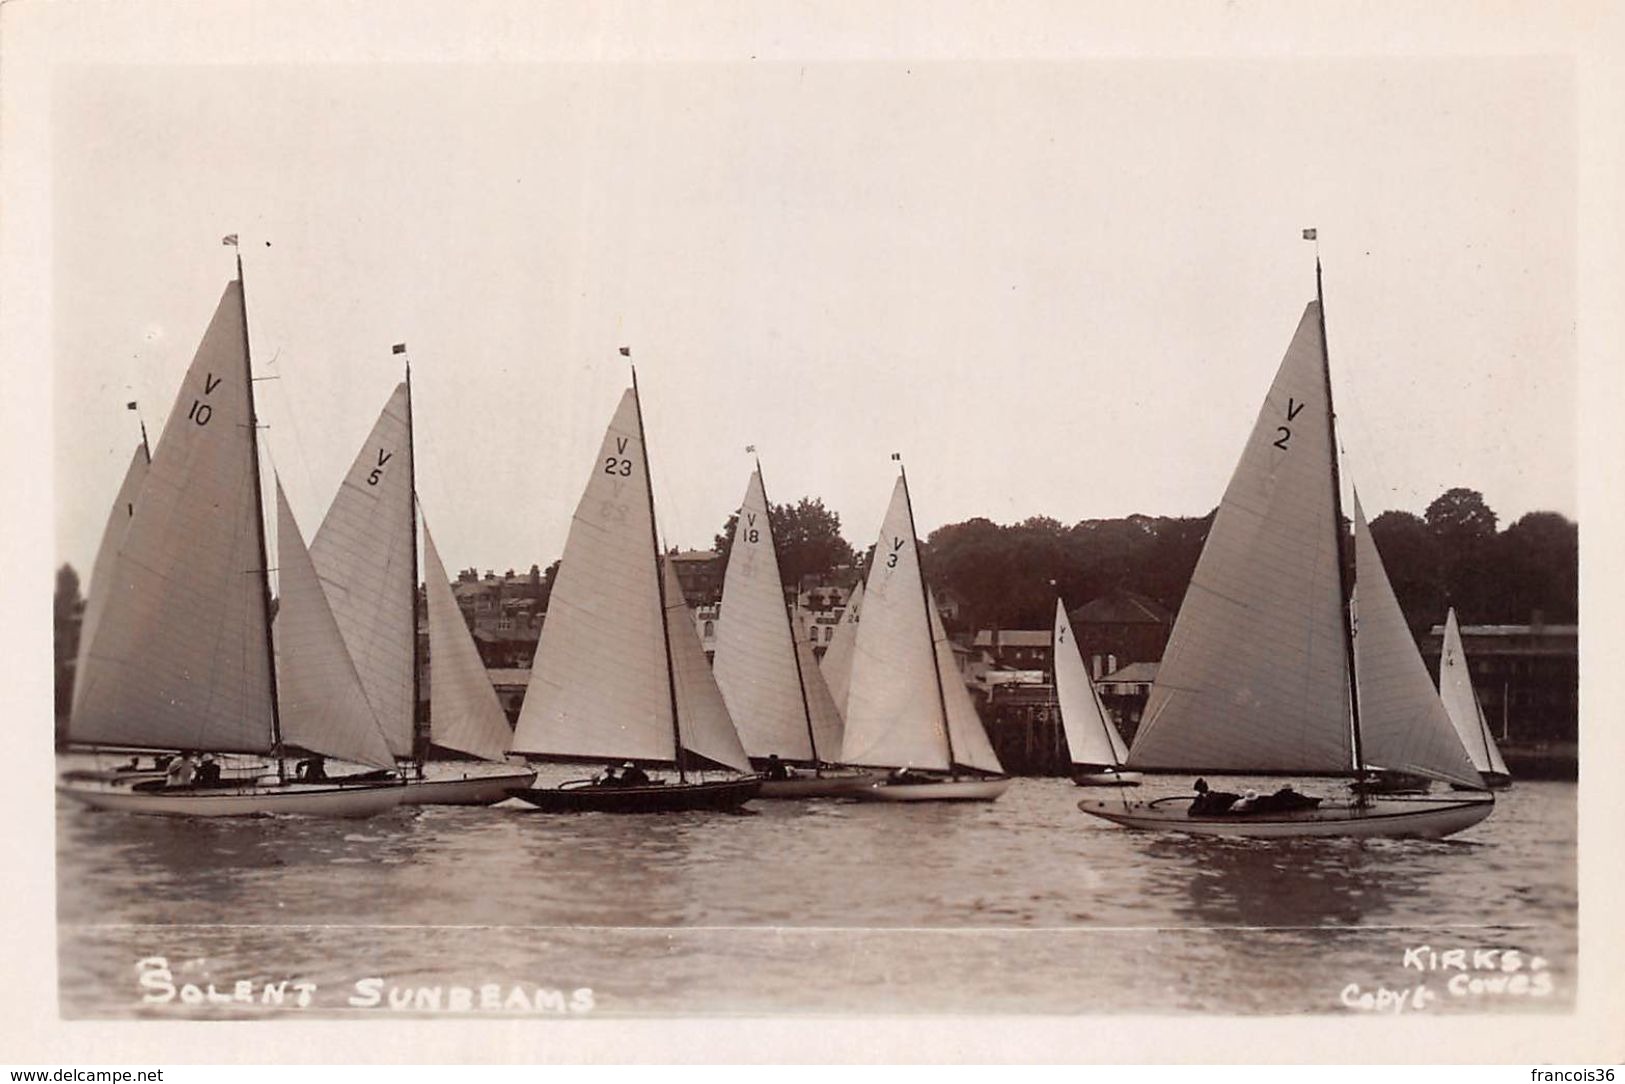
[[609, 777], [181, 771], [133, 766], [905, 774], [1285, 800], [208, 771], [775, 768], [633, 776], [1209, 801], [313, 769]]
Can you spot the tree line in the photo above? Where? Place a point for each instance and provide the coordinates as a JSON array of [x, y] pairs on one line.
[[1008, 575]]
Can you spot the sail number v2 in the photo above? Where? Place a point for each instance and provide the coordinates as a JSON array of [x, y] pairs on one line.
[[1293, 407]]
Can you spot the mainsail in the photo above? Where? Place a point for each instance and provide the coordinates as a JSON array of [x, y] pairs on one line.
[[893, 709], [179, 658], [600, 687], [364, 555], [101, 572], [702, 718], [1461, 701], [837, 661], [321, 703], [1403, 723], [755, 664], [826, 717], [1090, 736], [464, 712], [1255, 675]]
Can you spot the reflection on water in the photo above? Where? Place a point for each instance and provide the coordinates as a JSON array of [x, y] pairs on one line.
[[1024, 905]]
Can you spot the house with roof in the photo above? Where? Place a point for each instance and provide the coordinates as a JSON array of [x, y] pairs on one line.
[[1119, 628]]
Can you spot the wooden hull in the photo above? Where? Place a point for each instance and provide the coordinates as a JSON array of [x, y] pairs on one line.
[[1105, 778], [833, 785], [1425, 818], [300, 799], [1492, 781], [937, 790], [472, 788], [658, 798]]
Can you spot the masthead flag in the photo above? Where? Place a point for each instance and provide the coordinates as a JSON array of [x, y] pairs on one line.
[[897, 457], [750, 447], [398, 348], [130, 405], [626, 351], [1309, 235], [229, 239]]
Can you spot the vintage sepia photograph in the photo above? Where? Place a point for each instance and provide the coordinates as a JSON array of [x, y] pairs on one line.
[[560, 514]]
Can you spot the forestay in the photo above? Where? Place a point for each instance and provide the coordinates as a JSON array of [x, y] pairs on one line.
[[1255, 675], [1090, 736], [893, 710], [971, 748], [1403, 723], [179, 658], [599, 687], [837, 662], [755, 663], [321, 703], [363, 554], [1462, 704], [101, 572], [703, 723], [464, 712], [826, 718]]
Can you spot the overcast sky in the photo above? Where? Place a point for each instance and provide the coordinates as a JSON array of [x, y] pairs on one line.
[[1057, 286]]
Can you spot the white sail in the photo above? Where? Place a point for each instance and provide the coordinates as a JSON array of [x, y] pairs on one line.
[[320, 700], [180, 656], [837, 661], [893, 709], [1090, 736], [1461, 701], [755, 661], [101, 572], [971, 747], [1255, 675], [599, 687], [703, 723], [464, 712], [1403, 723], [363, 554], [826, 717]]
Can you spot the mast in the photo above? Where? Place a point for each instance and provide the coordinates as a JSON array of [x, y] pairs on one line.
[[925, 600], [259, 522], [420, 743], [660, 579], [1337, 531], [790, 625]]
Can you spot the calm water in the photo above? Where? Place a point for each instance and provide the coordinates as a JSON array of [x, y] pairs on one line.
[[1024, 905]]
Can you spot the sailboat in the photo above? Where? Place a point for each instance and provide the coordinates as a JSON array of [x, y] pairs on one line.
[[836, 665], [181, 655], [620, 675], [1096, 749], [770, 691], [907, 708], [366, 554], [1466, 713], [1264, 671]]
